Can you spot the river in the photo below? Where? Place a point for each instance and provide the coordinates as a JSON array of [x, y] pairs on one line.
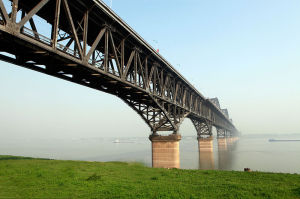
[[250, 151]]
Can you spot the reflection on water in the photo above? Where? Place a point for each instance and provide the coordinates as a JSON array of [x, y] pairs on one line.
[[226, 148], [225, 153], [206, 153], [254, 152]]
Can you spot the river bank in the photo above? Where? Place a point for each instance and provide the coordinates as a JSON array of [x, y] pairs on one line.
[[22, 177]]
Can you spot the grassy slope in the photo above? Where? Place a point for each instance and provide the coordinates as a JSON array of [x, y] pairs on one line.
[[40, 178]]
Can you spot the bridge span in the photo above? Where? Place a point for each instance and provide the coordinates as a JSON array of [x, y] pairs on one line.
[[85, 42]]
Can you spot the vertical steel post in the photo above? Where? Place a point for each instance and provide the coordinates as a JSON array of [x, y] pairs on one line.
[[14, 11], [122, 56], [106, 51], [56, 23], [85, 32]]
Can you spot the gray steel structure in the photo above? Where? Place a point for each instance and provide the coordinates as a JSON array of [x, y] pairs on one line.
[[88, 44]]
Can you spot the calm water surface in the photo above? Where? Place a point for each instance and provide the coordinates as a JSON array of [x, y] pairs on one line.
[[254, 152]]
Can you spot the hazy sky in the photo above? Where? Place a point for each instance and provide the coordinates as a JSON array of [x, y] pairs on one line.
[[245, 52]]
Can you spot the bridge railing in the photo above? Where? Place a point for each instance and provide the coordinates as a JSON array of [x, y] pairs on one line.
[[41, 38]]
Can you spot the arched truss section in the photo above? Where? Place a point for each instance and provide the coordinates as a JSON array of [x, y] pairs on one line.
[[225, 111], [215, 101], [158, 115], [221, 132], [203, 127]]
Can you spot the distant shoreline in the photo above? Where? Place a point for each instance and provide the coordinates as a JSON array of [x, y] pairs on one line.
[[273, 140]]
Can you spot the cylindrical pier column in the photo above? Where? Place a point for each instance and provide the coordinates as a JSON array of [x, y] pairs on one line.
[[165, 151], [205, 144], [206, 156]]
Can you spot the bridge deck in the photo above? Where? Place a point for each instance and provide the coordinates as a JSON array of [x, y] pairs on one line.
[[88, 44]]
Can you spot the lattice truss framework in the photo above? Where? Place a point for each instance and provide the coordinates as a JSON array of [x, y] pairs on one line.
[[87, 47], [203, 128], [161, 118], [221, 132]]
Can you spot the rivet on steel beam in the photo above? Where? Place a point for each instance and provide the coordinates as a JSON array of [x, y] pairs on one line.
[[40, 52], [96, 74], [71, 64]]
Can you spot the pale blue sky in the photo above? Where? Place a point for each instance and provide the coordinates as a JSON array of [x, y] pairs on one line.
[[245, 52]]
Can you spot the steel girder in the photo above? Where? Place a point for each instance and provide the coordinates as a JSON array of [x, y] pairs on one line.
[[86, 47]]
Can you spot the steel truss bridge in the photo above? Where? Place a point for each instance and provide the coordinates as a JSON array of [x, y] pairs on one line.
[[85, 42]]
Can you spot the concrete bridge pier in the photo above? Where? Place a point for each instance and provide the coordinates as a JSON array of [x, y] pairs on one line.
[[165, 150], [206, 156], [222, 144], [205, 144]]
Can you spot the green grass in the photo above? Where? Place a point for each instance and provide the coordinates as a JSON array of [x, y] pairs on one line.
[[23, 177]]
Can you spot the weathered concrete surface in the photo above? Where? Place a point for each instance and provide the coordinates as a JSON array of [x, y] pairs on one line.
[[205, 144], [222, 144], [165, 151]]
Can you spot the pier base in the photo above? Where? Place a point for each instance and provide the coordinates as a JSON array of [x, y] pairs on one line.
[[206, 156], [165, 151]]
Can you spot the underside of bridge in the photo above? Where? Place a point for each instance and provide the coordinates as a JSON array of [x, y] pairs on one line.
[[85, 42]]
